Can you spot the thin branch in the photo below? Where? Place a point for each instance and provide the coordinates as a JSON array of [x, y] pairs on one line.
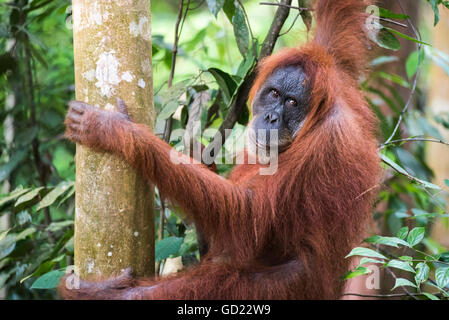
[[415, 82], [383, 145], [403, 287], [293, 23], [393, 22], [284, 5], [169, 121], [386, 296]]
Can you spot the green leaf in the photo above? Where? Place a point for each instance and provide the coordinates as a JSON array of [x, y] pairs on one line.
[[13, 195], [7, 245], [25, 233], [359, 251], [446, 182], [384, 13], [215, 6], [385, 39], [51, 197], [406, 36], [241, 31], [401, 282], [56, 226], [28, 196], [411, 65], [393, 78], [169, 108], [359, 271], [67, 196], [49, 280], [442, 276], [406, 258], [167, 247], [226, 83], [369, 260], [403, 265], [388, 241], [402, 233], [416, 235], [422, 272], [430, 296], [45, 267], [434, 4]]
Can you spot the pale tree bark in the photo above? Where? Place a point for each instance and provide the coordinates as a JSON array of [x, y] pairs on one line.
[[438, 102], [8, 131], [114, 224]]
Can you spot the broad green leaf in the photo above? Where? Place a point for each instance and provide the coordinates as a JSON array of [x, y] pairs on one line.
[[28, 196], [444, 257], [168, 109], [167, 247], [229, 9], [226, 83], [215, 6], [357, 272], [7, 245], [13, 195], [388, 241], [49, 280], [401, 282], [4, 233], [416, 235], [359, 251], [67, 196], [446, 181], [422, 272], [369, 260], [442, 276], [385, 39], [406, 258], [51, 197], [45, 267], [56, 226], [411, 65], [434, 4], [403, 265], [402, 233], [430, 296], [25, 233], [241, 31]]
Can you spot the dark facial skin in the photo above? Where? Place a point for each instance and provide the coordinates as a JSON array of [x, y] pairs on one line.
[[281, 104]]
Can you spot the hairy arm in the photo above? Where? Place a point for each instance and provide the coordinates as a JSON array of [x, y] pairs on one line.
[[208, 198]]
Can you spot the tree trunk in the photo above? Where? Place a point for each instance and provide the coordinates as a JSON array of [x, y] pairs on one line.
[[114, 223], [438, 101]]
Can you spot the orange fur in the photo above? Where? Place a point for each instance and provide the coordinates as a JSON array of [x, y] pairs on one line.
[[283, 236]]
